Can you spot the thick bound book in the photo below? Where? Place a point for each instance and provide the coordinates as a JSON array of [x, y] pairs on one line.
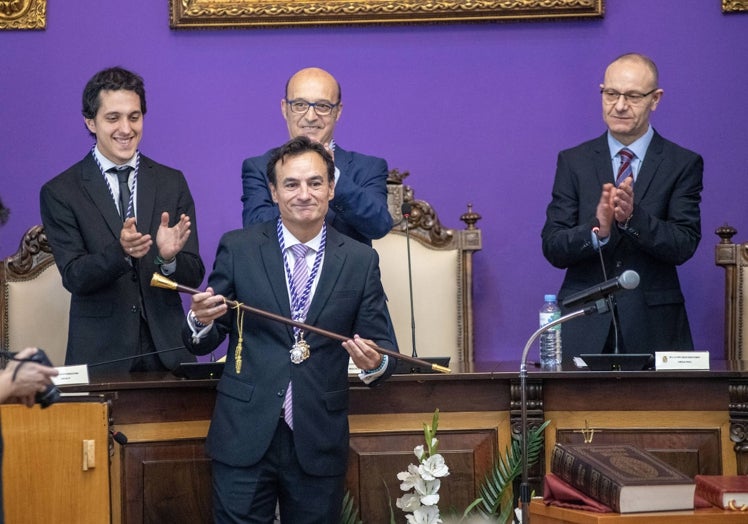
[[624, 478], [725, 491]]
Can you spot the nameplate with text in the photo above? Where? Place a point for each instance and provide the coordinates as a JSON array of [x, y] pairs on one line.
[[352, 368], [681, 360], [71, 375]]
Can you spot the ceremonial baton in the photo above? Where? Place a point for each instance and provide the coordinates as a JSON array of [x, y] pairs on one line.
[[165, 283]]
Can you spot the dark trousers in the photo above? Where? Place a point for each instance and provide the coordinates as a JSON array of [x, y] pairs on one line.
[[249, 495], [147, 361]]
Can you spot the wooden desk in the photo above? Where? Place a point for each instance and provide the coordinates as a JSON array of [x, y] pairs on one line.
[[49, 475], [542, 514], [696, 420]]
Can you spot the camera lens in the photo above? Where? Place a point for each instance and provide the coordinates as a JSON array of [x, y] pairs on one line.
[[52, 394], [48, 397]]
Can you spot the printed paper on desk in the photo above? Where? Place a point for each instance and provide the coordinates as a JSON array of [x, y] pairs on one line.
[[71, 375], [352, 368], [681, 360]]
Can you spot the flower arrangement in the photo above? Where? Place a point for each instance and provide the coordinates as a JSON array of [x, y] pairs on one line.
[[495, 504], [424, 479]]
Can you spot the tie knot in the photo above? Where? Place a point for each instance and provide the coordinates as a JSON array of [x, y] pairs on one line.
[[626, 155], [122, 172], [299, 250]]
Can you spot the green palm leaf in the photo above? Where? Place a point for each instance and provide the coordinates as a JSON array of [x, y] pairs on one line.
[[496, 492], [349, 513]]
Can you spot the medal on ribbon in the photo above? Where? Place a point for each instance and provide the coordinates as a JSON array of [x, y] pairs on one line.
[[300, 350]]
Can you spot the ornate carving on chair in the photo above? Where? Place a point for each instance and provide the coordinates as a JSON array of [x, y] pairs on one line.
[[734, 258], [34, 305], [442, 267]]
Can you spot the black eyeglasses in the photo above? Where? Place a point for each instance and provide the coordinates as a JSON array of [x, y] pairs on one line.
[[611, 96], [301, 106]]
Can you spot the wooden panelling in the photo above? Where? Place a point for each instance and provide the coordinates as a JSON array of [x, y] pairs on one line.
[[382, 446], [541, 514], [177, 490], [692, 419], [43, 476], [693, 442], [166, 481]]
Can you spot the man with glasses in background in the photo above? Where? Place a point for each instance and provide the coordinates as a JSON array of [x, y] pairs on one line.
[[627, 200], [311, 107]]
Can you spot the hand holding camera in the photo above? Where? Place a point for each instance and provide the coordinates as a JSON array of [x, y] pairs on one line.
[[30, 378]]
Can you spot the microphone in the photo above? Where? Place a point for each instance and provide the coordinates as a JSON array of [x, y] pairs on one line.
[[609, 299], [133, 357], [188, 370], [404, 367], [119, 438], [406, 209], [629, 279]]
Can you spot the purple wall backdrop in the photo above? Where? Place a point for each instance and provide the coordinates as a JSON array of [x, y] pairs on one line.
[[476, 113]]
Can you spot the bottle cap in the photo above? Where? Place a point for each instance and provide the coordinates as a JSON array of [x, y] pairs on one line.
[[550, 298]]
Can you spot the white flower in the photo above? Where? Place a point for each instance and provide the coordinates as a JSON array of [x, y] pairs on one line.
[[425, 515], [424, 480], [410, 478], [408, 502], [427, 487], [433, 467]]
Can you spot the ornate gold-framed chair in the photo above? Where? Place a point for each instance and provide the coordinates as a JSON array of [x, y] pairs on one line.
[[733, 258], [442, 269], [34, 305]]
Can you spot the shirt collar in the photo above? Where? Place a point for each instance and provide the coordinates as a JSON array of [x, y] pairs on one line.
[[638, 147], [290, 240], [107, 164]]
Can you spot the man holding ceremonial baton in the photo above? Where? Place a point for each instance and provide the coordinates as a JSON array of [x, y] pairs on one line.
[[279, 432]]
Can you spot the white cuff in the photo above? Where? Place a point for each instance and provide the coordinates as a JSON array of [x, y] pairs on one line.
[[199, 330], [370, 376]]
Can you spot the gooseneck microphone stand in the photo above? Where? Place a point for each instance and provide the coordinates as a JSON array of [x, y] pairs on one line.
[[406, 210], [601, 306]]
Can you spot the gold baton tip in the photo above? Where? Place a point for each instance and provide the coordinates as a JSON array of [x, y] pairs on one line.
[[163, 282], [441, 369]]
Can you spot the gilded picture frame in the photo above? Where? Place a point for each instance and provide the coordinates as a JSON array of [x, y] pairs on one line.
[[23, 14], [186, 14], [734, 6]]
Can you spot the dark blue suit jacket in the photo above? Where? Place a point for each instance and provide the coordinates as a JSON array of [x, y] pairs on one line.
[[348, 300], [358, 210], [83, 225], [663, 233]]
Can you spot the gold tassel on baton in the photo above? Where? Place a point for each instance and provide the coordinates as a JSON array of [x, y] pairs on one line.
[[161, 281]]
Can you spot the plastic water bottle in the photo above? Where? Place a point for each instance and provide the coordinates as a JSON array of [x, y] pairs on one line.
[[550, 340]]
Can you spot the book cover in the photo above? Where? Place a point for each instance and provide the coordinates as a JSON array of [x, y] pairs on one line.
[[725, 491], [624, 478]]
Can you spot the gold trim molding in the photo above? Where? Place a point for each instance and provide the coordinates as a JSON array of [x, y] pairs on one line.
[[23, 14], [186, 14], [734, 6]]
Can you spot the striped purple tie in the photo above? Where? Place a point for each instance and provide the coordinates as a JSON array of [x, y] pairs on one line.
[[625, 170], [300, 273], [299, 277]]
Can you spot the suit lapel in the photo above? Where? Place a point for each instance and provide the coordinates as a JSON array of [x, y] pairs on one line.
[[331, 269], [272, 261], [649, 167], [97, 189], [342, 158], [603, 165]]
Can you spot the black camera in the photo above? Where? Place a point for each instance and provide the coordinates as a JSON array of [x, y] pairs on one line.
[[51, 394]]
